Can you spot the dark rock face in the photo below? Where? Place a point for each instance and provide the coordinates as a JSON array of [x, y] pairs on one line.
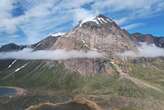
[[159, 42], [5, 63], [11, 47], [101, 34], [148, 38], [44, 44]]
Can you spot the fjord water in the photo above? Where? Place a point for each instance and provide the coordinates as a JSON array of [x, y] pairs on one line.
[[6, 91]]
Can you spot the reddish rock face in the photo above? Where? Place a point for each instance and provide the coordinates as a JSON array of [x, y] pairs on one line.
[[103, 35], [148, 38], [44, 44], [87, 66], [142, 38]]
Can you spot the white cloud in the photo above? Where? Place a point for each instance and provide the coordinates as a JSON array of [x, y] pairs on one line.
[[5, 8], [122, 20], [131, 5], [145, 50], [29, 54], [132, 26], [5, 14], [130, 10], [46, 15], [83, 15]]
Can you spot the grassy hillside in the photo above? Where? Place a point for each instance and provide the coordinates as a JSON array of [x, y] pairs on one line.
[[144, 88]]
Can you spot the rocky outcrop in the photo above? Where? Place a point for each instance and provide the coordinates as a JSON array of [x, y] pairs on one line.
[[46, 43], [11, 47], [148, 38], [78, 103], [99, 34]]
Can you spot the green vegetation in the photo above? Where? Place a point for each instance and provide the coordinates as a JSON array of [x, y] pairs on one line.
[[58, 78], [37, 76]]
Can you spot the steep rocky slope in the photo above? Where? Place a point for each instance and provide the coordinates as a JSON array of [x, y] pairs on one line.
[[11, 47], [148, 38], [99, 34], [46, 43]]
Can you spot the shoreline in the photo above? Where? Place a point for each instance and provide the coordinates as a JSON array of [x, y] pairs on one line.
[[18, 91]]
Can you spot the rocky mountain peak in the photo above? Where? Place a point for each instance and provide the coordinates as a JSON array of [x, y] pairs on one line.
[[103, 19], [100, 34], [58, 34], [99, 21]]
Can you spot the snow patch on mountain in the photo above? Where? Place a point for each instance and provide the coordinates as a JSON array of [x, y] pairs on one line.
[[23, 66], [38, 45], [12, 63], [88, 20], [57, 34], [84, 43], [98, 20], [103, 20]]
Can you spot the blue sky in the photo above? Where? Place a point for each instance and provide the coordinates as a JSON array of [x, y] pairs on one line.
[[28, 21]]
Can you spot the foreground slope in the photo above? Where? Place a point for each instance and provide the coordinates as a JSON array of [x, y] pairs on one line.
[[144, 92]]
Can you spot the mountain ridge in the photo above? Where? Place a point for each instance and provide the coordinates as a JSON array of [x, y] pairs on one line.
[[96, 22], [100, 34], [148, 38]]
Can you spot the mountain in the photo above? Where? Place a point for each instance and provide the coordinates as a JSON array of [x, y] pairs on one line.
[[148, 38], [101, 33], [46, 43], [109, 81], [11, 47]]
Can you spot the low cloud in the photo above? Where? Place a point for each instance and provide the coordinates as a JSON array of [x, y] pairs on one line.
[[145, 50], [83, 15], [133, 26], [59, 54]]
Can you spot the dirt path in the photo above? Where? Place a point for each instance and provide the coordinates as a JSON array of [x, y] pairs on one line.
[[78, 103], [138, 82]]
